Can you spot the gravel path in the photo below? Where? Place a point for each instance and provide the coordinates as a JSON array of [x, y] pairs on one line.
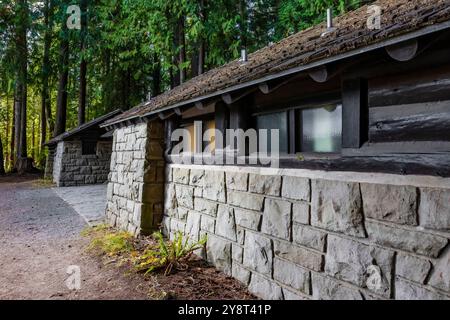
[[39, 239]]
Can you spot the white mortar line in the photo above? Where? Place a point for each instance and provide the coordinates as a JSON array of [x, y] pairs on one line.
[[357, 177]]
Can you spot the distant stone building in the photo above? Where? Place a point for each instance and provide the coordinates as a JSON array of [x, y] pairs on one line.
[[359, 206], [81, 156]]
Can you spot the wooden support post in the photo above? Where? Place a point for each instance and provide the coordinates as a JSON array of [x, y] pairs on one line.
[[355, 113]]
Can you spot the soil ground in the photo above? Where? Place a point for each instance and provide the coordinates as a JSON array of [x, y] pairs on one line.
[[40, 238]]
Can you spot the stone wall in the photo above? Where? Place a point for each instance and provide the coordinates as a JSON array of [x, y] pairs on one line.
[[297, 234], [136, 180], [48, 172], [72, 168]]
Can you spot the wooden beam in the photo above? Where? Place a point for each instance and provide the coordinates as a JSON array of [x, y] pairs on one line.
[[355, 113], [230, 98], [404, 51], [199, 105], [177, 111], [320, 74], [271, 86]]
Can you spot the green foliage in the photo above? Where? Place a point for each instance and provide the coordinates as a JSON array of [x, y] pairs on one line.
[[105, 241], [167, 255], [130, 48]]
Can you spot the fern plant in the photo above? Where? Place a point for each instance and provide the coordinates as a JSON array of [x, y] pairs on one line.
[[168, 255]]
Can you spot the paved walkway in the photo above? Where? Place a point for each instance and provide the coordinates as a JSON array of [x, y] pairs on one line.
[[87, 201], [40, 239]]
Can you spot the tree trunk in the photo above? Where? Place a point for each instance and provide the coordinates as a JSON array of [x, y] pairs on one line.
[[83, 65], [61, 102], [202, 46], [12, 142], [20, 104], [156, 82], [182, 53], [46, 116], [7, 130], [2, 160]]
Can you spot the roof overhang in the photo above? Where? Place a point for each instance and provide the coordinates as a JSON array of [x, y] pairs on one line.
[[303, 68]]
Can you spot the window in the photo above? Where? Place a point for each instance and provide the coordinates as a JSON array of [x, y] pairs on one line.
[[88, 148], [314, 129], [321, 129], [196, 135], [275, 121]]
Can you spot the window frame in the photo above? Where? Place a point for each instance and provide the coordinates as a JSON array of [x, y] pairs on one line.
[[294, 122]]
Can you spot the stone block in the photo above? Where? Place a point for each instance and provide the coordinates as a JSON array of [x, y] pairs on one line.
[[185, 196], [337, 206], [301, 213], [180, 175], [262, 184], [248, 219], [205, 206], [354, 262], [296, 188], [196, 177], [405, 290], [291, 275], [325, 288], [214, 186], [237, 253], [289, 295], [219, 253], [240, 273], [412, 241], [193, 225], [277, 218], [434, 209], [412, 268], [440, 278], [226, 225], [237, 181], [245, 200], [264, 288], [309, 237], [258, 253], [208, 224], [396, 204], [298, 255], [182, 213]]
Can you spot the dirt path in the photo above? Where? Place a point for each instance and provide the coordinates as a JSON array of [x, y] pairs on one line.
[[39, 239]]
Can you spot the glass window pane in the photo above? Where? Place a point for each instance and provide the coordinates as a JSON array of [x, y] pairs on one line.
[[275, 121], [321, 129]]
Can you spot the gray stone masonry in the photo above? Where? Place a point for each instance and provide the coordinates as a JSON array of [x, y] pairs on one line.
[[71, 168], [135, 195], [297, 238]]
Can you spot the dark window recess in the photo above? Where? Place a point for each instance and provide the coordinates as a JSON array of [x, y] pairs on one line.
[[275, 121], [317, 129], [89, 148]]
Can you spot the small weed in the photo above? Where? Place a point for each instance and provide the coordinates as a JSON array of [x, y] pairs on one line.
[[105, 241], [167, 255], [43, 183]]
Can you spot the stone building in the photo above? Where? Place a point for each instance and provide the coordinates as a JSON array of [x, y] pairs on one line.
[[81, 156], [359, 204]]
